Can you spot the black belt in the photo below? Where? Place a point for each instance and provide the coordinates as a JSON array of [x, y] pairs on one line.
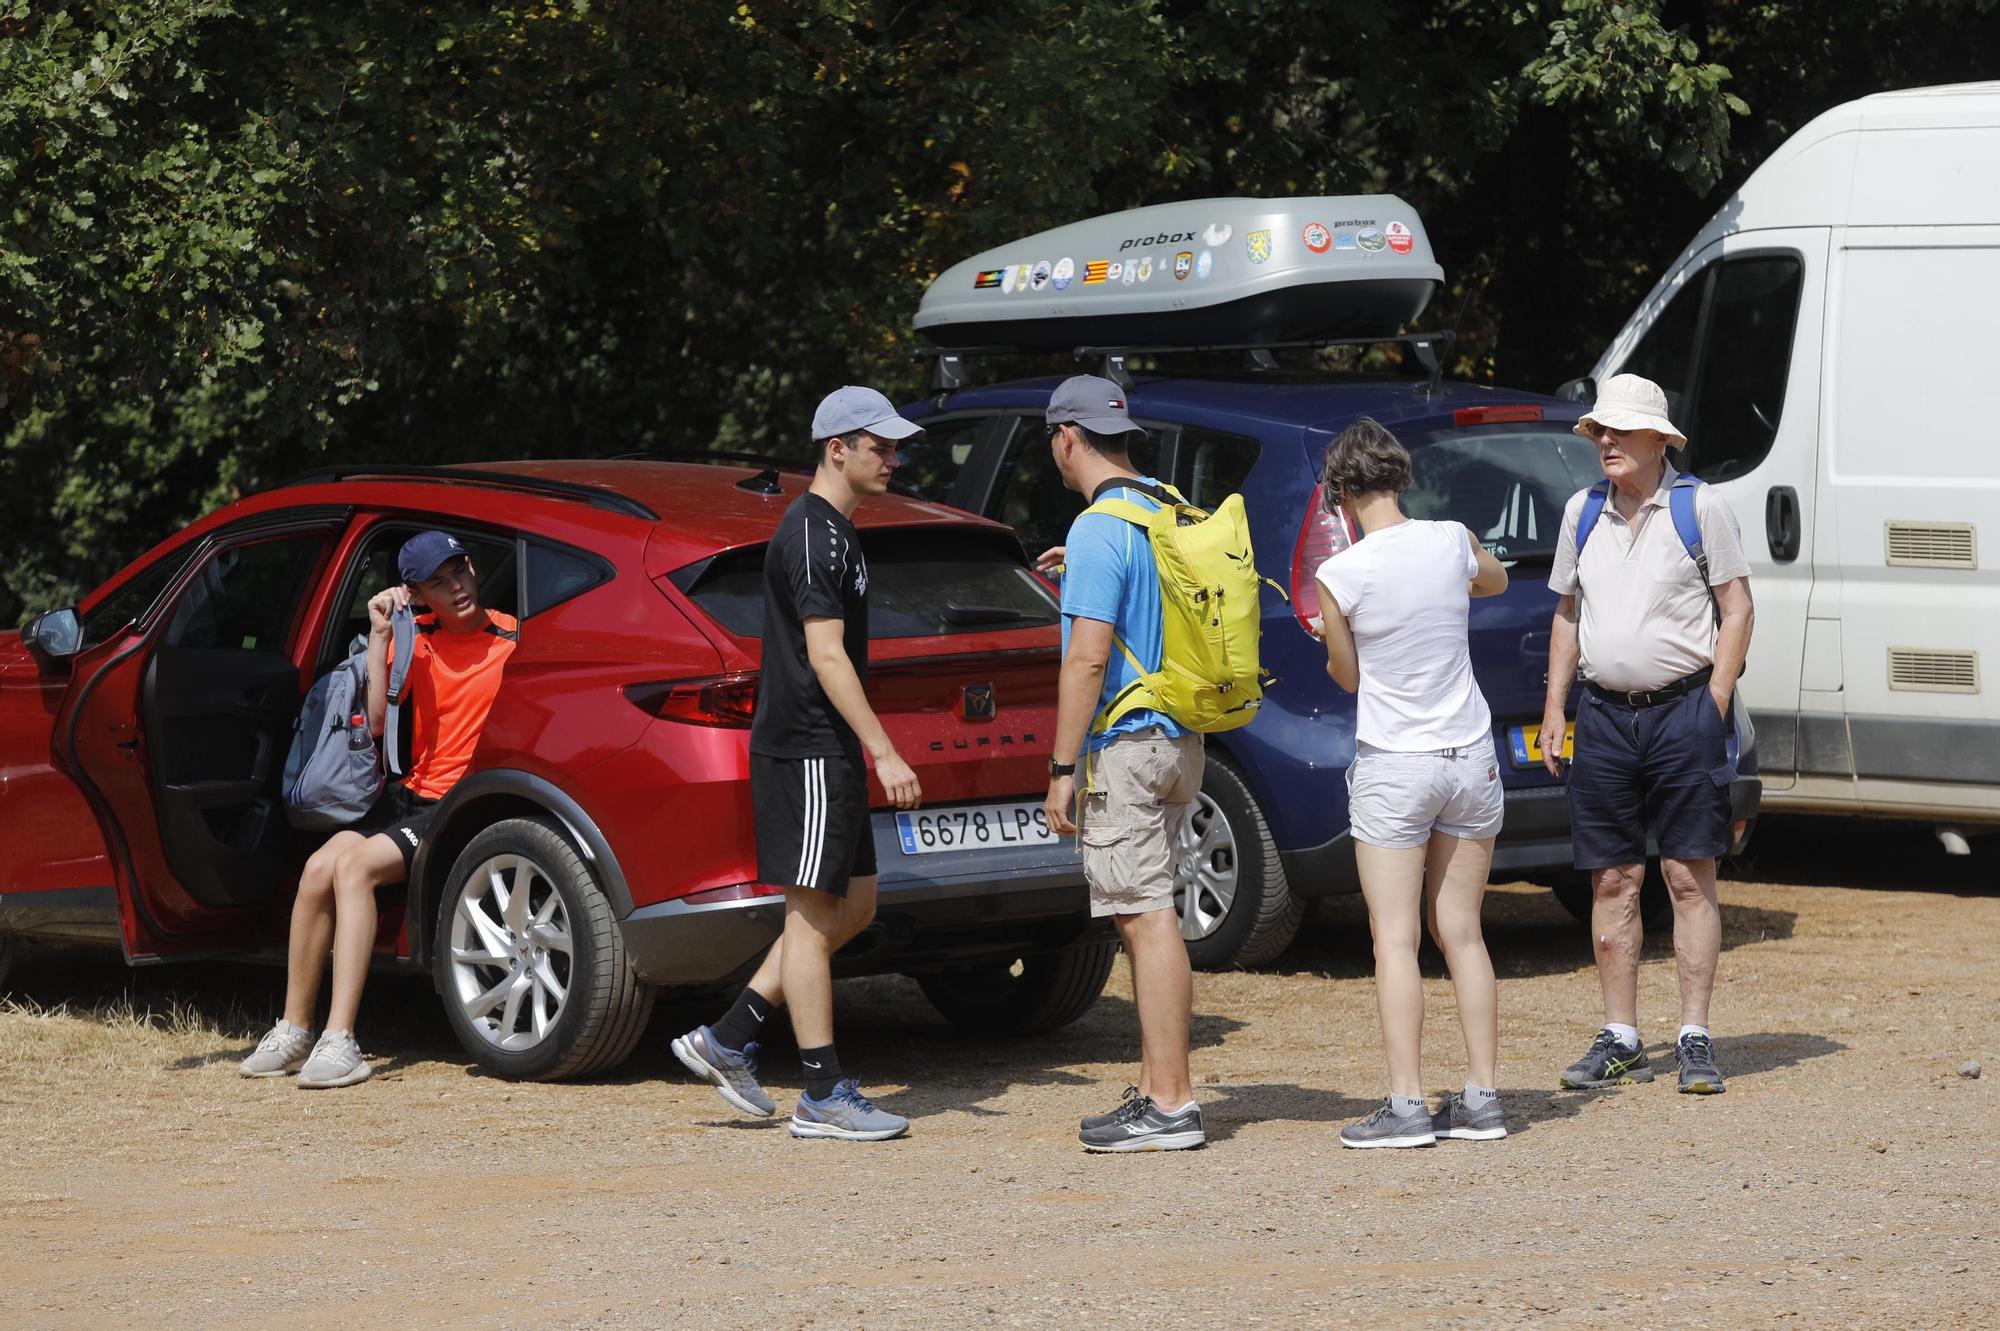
[[1653, 697]]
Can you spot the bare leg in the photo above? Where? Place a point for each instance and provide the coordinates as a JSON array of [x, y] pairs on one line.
[[1697, 934], [855, 912], [1617, 936], [1455, 885], [1163, 990], [375, 862], [1392, 883], [312, 929]]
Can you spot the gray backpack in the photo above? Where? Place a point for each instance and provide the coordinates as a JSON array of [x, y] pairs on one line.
[[333, 773]]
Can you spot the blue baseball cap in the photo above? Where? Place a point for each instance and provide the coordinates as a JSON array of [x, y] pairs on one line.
[[425, 553], [852, 408]]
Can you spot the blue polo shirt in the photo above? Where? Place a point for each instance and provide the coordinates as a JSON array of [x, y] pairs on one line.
[[1108, 575]]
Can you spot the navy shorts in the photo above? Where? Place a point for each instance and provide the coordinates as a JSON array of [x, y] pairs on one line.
[[1662, 770]]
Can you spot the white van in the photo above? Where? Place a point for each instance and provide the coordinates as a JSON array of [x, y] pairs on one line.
[[1830, 344]]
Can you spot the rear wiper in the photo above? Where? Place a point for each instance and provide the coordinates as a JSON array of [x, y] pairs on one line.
[[990, 614]]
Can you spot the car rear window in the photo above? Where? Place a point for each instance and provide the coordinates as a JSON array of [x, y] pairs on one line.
[[1508, 483], [921, 584]]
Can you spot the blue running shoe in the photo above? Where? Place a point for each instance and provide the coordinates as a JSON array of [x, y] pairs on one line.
[[732, 1072], [846, 1114]]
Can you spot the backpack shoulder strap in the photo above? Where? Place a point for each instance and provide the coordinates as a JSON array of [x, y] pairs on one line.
[[1680, 503], [1140, 517], [402, 650], [1593, 508]]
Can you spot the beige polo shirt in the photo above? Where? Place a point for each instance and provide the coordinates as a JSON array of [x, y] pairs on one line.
[[1643, 618]]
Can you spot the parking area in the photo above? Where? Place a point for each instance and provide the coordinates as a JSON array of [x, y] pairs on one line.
[[1847, 1178]]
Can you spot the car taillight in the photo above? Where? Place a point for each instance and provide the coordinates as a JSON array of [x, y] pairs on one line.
[[1321, 536], [733, 892], [1495, 415], [728, 701]]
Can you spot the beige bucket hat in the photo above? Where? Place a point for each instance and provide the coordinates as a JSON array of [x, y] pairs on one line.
[[1629, 402]]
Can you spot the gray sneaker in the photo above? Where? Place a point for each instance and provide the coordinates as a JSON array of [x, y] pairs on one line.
[[1141, 1125], [1128, 1107], [732, 1072], [336, 1061], [1699, 1075], [283, 1050], [1385, 1128], [1454, 1120], [1607, 1064], [846, 1114]]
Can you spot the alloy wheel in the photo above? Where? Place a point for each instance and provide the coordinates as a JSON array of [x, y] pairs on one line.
[[511, 952], [1205, 867]]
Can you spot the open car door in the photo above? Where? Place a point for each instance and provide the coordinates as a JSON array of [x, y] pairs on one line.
[[177, 729]]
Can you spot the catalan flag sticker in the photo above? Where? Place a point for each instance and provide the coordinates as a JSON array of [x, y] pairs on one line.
[[988, 280], [1095, 271]]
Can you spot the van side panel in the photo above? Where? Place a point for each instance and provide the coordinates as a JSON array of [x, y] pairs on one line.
[[1928, 177], [1913, 472]]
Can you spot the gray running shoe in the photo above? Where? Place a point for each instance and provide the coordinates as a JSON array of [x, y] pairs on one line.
[[1699, 1075], [1385, 1128], [336, 1061], [732, 1072], [1128, 1106], [846, 1114], [1146, 1127], [1607, 1064], [1454, 1120], [283, 1050]]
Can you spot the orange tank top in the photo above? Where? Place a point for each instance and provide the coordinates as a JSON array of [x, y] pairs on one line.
[[453, 679]]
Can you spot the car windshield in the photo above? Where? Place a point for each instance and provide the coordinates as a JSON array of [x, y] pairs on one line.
[[1508, 483], [920, 584]]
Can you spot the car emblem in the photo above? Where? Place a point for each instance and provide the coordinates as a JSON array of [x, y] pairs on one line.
[[975, 702]]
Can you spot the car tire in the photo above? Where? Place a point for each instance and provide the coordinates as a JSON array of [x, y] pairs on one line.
[[1028, 996], [10, 946], [542, 990], [1227, 842], [1656, 908]]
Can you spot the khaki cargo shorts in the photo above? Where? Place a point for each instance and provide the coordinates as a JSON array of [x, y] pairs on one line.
[[1142, 787]]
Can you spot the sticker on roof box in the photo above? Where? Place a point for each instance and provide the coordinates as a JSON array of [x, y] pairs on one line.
[[1095, 272], [1316, 237], [1257, 245], [1065, 269], [1218, 233], [1343, 240], [1027, 277], [1203, 264], [1399, 237], [986, 280], [1370, 240], [1041, 276], [1008, 276], [1131, 273], [1146, 269], [1183, 265]]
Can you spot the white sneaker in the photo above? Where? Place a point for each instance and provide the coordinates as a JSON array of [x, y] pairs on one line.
[[283, 1050], [336, 1061]]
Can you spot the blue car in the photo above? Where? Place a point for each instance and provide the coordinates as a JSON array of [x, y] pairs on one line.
[[1270, 832]]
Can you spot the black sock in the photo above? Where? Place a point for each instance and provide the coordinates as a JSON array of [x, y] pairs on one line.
[[744, 1021], [822, 1069]]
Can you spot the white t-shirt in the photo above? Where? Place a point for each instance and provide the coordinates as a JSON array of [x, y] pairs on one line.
[[1406, 593]]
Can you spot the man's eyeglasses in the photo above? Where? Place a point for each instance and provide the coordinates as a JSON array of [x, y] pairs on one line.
[[1054, 428]]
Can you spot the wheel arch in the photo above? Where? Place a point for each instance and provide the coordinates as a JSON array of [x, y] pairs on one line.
[[477, 803]]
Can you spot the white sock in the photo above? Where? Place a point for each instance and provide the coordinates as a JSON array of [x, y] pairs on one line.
[[1478, 1097], [1686, 1031], [1186, 1108], [1405, 1105], [1625, 1035]]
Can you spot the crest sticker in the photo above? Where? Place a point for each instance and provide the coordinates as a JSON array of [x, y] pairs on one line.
[[1258, 246], [1146, 268], [1184, 264]]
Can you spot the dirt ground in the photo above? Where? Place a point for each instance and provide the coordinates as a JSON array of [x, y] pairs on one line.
[[1847, 1178]]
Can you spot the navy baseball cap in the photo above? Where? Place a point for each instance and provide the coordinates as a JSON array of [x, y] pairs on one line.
[[845, 410], [425, 553], [1095, 404]]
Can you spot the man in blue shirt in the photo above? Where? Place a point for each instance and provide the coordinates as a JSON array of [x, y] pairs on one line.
[[1141, 773]]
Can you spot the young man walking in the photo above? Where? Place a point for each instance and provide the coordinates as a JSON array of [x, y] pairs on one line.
[[808, 781], [1660, 647], [1141, 773], [455, 668]]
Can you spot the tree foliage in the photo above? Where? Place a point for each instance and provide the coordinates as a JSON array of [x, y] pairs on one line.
[[239, 239]]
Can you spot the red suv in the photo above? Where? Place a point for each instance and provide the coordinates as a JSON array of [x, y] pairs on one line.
[[142, 737]]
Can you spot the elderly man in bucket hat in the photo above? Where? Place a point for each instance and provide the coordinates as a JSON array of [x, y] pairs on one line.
[[1656, 609]]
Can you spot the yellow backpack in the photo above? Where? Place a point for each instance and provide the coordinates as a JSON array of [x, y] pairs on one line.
[[1209, 678]]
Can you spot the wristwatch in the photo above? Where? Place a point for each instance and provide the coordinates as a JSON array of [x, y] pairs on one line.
[[1061, 769]]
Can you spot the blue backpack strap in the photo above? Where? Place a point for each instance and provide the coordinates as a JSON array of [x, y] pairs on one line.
[[402, 650], [1680, 503], [1593, 508]]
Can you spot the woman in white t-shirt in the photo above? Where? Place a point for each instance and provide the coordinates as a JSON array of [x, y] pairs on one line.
[[1424, 797]]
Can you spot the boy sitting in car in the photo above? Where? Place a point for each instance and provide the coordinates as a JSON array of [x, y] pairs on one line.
[[460, 651]]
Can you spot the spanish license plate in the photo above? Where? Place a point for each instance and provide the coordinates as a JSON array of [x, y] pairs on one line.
[[1521, 743], [971, 827]]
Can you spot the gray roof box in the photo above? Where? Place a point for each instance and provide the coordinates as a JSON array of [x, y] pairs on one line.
[[1207, 272]]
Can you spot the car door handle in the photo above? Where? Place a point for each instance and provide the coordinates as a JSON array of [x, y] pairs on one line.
[[1782, 527]]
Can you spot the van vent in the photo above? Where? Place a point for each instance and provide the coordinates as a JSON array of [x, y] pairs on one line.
[[1931, 544], [1926, 671]]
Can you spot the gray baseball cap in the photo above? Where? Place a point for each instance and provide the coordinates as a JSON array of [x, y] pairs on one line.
[[852, 408], [1094, 403]]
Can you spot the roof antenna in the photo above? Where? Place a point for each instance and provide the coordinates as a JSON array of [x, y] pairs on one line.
[[1427, 355], [764, 482]]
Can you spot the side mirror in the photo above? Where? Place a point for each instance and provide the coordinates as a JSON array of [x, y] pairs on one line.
[[54, 635], [1578, 390]]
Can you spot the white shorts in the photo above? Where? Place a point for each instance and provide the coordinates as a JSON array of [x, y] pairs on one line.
[[1396, 800]]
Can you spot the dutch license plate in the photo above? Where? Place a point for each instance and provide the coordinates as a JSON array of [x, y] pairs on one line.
[[972, 827], [1521, 743]]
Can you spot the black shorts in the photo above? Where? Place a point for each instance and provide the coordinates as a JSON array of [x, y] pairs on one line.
[[1662, 769], [402, 815], [813, 828]]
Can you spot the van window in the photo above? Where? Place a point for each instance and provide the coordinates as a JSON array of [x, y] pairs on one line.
[[1746, 360], [1507, 483], [1209, 466], [1666, 353]]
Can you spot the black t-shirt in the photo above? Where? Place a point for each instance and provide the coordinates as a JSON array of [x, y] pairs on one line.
[[813, 569]]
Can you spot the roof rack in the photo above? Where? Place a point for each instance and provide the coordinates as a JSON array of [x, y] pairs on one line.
[[608, 500], [948, 373]]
